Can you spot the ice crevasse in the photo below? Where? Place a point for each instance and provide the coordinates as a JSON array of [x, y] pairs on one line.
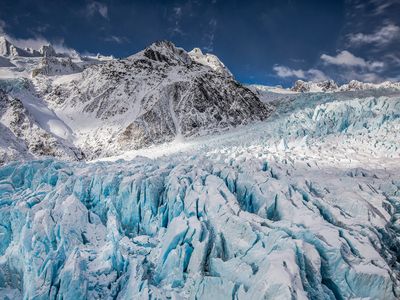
[[207, 227]]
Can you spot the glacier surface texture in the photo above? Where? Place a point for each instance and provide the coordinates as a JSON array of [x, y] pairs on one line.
[[304, 205]]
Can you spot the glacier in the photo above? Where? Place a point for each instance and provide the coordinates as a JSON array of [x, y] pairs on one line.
[[304, 205]]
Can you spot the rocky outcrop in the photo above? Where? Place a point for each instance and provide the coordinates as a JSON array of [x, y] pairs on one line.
[[50, 66]]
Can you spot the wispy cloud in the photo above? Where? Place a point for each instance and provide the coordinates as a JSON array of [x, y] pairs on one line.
[[382, 6], [117, 39], [209, 36], [347, 59], [380, 37], [95, 7], [310, 74], [373, 7], [175, 18]]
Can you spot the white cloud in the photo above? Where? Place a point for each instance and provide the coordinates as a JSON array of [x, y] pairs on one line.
[[97, 7], [284, 72], [311, 74], [381, 37], [347, 59], [316, 75], [352, 67]]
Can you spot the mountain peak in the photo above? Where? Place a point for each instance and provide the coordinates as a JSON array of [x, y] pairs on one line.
[[166, 51]]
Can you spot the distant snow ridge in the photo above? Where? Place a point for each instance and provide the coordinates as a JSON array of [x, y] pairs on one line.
[[330, 86], [355, 85]]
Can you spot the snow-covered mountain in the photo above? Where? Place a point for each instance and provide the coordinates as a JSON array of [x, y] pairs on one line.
[[154, 96], [301, 202], [113, 105]]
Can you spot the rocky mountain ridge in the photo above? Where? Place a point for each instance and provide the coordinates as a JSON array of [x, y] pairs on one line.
[[331, 86]]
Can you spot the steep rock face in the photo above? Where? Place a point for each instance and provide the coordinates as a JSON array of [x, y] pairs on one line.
[[152, 97]]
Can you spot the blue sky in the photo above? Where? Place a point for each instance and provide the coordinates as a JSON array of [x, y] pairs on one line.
[[267, 42]]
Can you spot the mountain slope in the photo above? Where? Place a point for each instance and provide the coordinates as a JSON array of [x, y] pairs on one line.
[[32, 131]]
